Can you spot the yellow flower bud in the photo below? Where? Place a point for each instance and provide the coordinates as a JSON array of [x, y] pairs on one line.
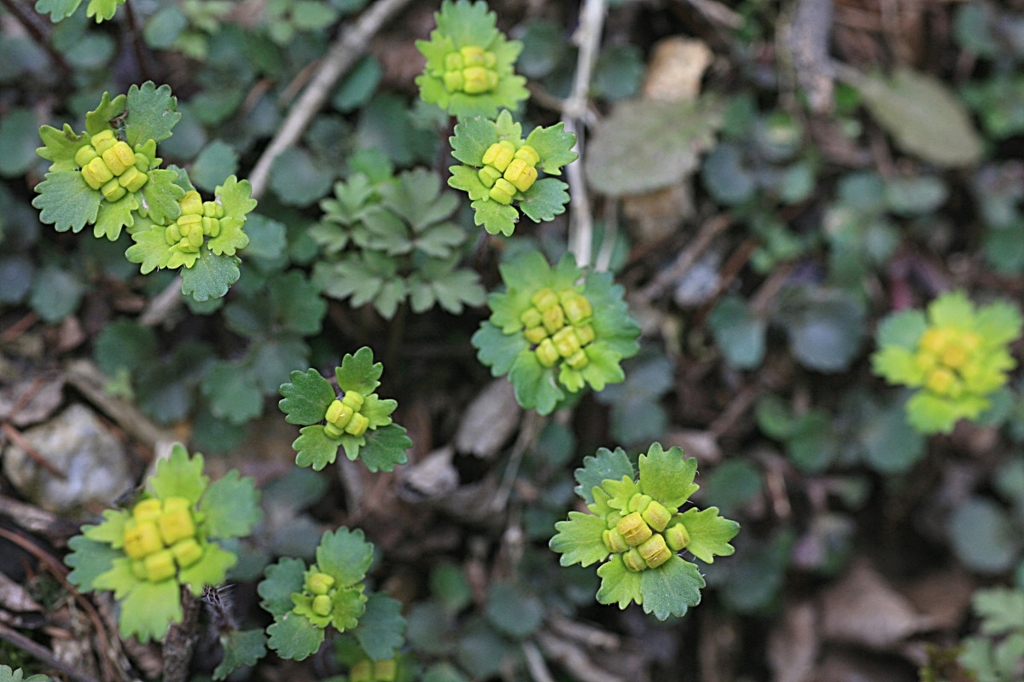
[[453, 62], [528, 154], [84, 155], [520, 174], [476, 80], [191, 204], [492, 79], [142, 162], [954, 356], [353, 399], [453, 81], [339, 414], [656, 515], [544, 299], [361, 672], [614, 541], [585, 334], [132, 179], [119, 157], [634, 562], [488, 175], [490, 60], [160, 566], [940, 381], [139, 569], [638, 502], [172, 234], [612, 519], [499, 155], [176, 524], [531, 317], [320, 583], [211, 226], [358, 425], [970, 342], [654, 551], [141, 539], [211, 209], [112, 191], [322, 605], [547, 354], [677, 537], [577, 307], [103, 140], [332, 431], [386, 671], [925, 361], [553, 319], [634, 529], [566, 342], [577, 360], [148, 510], [96, 173], [934, 340], [473, 55], [186, 246], [535, 334], [187, 552], [503, 191], [195, 237]]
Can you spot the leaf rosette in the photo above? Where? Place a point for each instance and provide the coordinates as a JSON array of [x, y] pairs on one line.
[[556, 329], [956, 355], [469, 70], [636, 528], [355, 419], [500, 170], [167, 541]]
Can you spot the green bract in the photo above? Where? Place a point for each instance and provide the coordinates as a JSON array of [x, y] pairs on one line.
[[956, 355], [166, 541], [500, 167], [357, 419], [637, 526], [555, 328], [9, 675], [469, 62], [62, 9]]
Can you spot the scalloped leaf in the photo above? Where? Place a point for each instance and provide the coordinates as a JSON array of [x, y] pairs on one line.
[[670, 589], [293, 636], [902, 329], [60, 146], [115, 215], [241, 648], [535, 385], [619, 585], [57, 9], [66, 201], [554, 146], [315, 448], [149, 250], [385, 448], [345, 555], [282, 580], [306, 397], [471, 138], [381, 629], [667, 475], [494, 217], [210, 277], [605, 464], [466, 179], [160, 196], [179, 476], [348, 607], [99, 119], [152, 113], [89, 559], [497, 349], [709, 533], [359, 372], [544, 200], [211, 569], [580, 539], [231, 506], [149, 609]]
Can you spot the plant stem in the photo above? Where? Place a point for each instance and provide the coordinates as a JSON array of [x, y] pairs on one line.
[[38, 35], [140, 54], [181, 640]]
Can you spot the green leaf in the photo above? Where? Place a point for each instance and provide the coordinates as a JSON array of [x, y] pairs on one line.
[[890, 444], [57, 9], [17, 142], [349, 605], [56, 294], [929, 413], [513, 611], [114, 215], [495, 218], [150, 249], [671, 588], [496, 349], [709, 533], [983, 537], [385, 448], [231, 506], [1001, 610], [667, 475], [179, 476], [998, 323], [471, 139], [466, 23], [89, 559], [359, 372], [580, 539], [381, 629], [293, 636], [210, 277], [314, 448], [217, 161], [345, 555], [902, 329], [825, 327], [149, 609], [952, 309], [282, 580], [306, 397], [554, 146], [535, 386], [211, 569], [60, 146], [152, 113], [102, 9], [896, 365], [619, 584], [544, 200], [66, 201], [358, 85], [738, 332], [241, 648], [295, 299], [160, 196], [232, 392], [466, 179], [606, 464]]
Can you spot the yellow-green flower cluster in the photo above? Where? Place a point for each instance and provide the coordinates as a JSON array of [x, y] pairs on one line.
[[199, 219], [646, 533], [112, 166], [950, 360], [558, 326], [320, 587], [160, 537], [373, 671], [343, 416], [472, 70], [507, 169]]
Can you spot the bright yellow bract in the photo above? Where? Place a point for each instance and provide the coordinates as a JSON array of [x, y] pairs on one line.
[[948, 357], [111, 166], [160, 538]]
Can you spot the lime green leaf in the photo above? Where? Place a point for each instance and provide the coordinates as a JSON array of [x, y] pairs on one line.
[[544, 200], [150, 249], [929, 413], [671, 588], [231, 506], [606, 464], [293, 636], [108, 109], [102, 9], [60, 146], [384, 448], [535, 386], [466, 23], [359, 372], [953, 309], [66, 201], [210, 277], [232, 392], [983, 536], [738, 332], [604, 367], [495, 218], [896, 365], [1001, 610], [709, 533], [57, 9], [89, 559], [115, 215], [306, 397], [998, 323], [314, 448], [554, 146], [282, 580], [236, 198], [241, 648], [579, 540], [119, 578], [152, 113], [179, 476], [496, 349], [345, 555], [471, 139], [619, 584], [466, 179], [349, 605], [211, 569], [149, 609], [513, 611], [381, 628], [667, 475], [902, 329], [111, 529], [160, 196]]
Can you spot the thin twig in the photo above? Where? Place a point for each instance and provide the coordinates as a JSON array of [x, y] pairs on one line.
[[535, 663], [41, 653], [686, 259], [530, 429], [588, 37], [136, 33], [30, 450], [40, 38], [342, 55], [609, 235]]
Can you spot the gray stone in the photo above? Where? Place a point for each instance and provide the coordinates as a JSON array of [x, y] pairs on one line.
[[78, 444]]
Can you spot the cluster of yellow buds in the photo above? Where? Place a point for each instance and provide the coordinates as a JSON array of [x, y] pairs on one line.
[[472, 70], [111, 166], [343, 416], [645, 532], [507, 169], [160, 537], [373, 671], [199, 219], [558, 326], [949, 358], [321, 586]]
